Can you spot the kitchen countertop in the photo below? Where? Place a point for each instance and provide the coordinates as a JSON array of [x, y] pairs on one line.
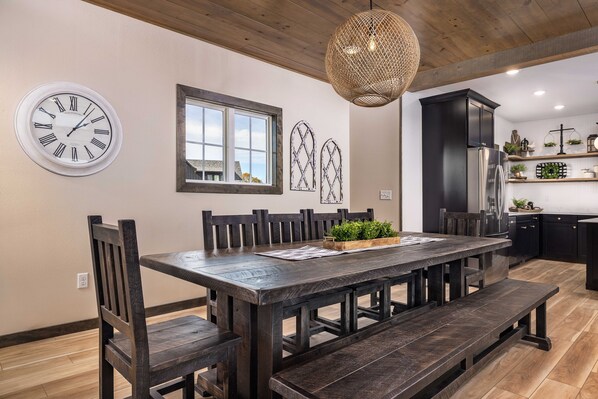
[[592, 221], [553, 213]]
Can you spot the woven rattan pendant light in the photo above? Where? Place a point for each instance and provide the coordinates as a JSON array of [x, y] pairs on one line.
[[372, 58]]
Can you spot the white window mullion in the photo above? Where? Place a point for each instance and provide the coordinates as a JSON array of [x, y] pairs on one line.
[[229, 137]]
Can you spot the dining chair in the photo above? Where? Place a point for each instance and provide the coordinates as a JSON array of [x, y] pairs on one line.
[[380, 291], [159, 358], [293, 227], [465, 224], [319, 224], [228, 231]]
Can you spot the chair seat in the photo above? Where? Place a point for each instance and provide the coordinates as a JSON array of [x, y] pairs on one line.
[[179, 341]]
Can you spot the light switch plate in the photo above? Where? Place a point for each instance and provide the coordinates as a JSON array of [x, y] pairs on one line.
[[386, 195]]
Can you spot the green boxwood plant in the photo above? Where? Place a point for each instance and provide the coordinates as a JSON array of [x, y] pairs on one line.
[[358, 230]]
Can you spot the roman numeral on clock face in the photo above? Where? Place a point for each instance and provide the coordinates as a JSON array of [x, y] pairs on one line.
[[74, 154], [59, 104], [48, 139], [59, 150], [101, 131], [42, 125], [99, 118], [47, 113], [89, 152], [73, 106], [98, 143]]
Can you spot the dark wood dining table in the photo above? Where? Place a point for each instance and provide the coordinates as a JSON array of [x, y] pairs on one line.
[[251, 288]]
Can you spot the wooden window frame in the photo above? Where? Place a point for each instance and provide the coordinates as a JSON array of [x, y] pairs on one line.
[[183, 185]]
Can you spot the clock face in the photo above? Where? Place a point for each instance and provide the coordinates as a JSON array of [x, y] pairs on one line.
[[71, 129], [68, 129]]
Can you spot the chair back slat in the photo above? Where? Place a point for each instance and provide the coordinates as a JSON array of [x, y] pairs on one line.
[[368, 215], [463, 223], [321, 223], [283, 227], [229, 231], [117, 278]]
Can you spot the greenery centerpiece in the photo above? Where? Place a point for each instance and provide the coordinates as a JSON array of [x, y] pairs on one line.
[[361, 234]]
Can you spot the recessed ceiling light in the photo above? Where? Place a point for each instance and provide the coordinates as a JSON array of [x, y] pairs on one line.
[[539, 93], [559, 107], [512, 72]]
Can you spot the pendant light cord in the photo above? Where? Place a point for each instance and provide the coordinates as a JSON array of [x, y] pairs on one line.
[[371, 5]]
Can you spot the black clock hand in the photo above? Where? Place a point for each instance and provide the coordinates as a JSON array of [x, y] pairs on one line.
[[78, 125]]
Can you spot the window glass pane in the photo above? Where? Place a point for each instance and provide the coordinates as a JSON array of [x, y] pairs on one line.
[[214, 126], [194, 151], [258, 134], [194, 123], [242, 171], [214, 163], [241, 131], [258, 167]]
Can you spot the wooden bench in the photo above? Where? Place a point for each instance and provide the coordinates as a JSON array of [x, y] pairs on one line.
[[430, 355]]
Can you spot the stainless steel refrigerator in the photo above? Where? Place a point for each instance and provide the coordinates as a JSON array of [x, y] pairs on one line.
[[486, 178]]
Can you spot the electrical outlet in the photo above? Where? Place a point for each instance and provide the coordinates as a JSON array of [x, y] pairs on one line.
[[82, 280], [386, 195]]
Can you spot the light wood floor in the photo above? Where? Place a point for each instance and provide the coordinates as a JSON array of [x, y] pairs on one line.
[[66, 367]]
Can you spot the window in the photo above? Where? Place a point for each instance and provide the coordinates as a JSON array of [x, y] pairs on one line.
[[227, 145]]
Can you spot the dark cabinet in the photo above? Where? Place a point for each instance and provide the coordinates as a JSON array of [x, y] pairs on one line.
[[582, 239], [451, 123], [480, 124], [525, 234], [559, 237]]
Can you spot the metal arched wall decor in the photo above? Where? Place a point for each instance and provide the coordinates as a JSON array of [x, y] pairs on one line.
[[331, 173], [303, 157]]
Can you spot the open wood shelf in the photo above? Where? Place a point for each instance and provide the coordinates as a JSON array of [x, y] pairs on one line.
[[545, 157], [566, 180]]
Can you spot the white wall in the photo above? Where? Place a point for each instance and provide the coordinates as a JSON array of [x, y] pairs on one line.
[[559, 197], [375, 159], [43, 231]]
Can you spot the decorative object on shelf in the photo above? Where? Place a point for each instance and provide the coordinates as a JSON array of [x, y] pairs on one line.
[[68, 129], [588, 173], [574, 138], [517, 169], [592, 143], [331, 173], [515, 138], [361, 234], [511, 148], [524, 145], [596, 169], [561, 130], [303, 158], [372, 58], [551, 170], [549, 140], [523, 205]]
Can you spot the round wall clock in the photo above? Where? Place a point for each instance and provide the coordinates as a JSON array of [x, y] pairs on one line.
[[68, 129]]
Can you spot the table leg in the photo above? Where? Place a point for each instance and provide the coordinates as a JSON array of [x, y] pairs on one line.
[[420, 287], [269, 347], [260, 354], [456, 279], [436, 289]]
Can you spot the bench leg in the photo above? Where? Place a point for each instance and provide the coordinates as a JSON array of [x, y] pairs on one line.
[[540, 337]]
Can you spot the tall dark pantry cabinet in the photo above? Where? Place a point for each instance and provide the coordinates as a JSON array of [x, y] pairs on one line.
[[451, 123]]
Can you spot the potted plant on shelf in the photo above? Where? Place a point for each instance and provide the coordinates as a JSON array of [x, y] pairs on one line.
[[517, 169], [511, 149], [358, 234]]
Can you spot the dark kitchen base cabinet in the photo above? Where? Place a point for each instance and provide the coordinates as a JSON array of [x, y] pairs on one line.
[[524, 231], [561, 237]]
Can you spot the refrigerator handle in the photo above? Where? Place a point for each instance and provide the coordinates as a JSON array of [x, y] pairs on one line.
[[500, 174]]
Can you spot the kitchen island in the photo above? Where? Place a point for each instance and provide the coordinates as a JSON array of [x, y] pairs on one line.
[[592, 253]]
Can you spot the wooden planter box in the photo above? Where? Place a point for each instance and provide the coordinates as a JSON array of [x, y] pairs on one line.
[[329, 243]]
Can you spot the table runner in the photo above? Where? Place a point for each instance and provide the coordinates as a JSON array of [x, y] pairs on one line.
[[311, 252]]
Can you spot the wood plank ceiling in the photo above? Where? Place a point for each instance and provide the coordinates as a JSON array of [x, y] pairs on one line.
[[294, 33]]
